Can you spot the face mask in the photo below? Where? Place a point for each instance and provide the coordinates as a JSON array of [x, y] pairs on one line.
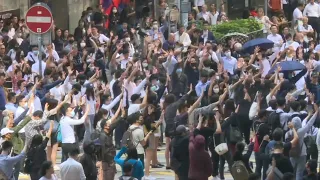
[[91, 68], [216, 90], [179, 71], [217, 77], [71, 41], [127, 39], [35, 52], [25, 106], [228, 54], [72, 113], [114, 11], [82, 45]]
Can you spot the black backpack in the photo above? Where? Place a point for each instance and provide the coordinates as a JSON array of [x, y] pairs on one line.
[[274, 121]]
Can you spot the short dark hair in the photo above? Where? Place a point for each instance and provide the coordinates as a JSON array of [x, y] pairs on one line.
[[44, 167], [11, 95], [127, 168], [6, 145], [277, 134], [295, 106], [38, 113], [74, 151], [281, 101], [19, 98]]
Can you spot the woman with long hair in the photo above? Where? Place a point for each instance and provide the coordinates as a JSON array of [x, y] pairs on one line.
[[90, 99], [47, 171], [37, 154], [58, 42], [114, 19], [132, 158]]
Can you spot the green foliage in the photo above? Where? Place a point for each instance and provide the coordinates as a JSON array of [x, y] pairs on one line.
[[245, 26]]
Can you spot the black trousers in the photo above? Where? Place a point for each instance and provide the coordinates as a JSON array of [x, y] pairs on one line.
[[314, 22]]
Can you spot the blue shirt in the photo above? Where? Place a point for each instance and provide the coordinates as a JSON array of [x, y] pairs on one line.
[[200, 86], [229, 64], [137, 164], [7, 163]]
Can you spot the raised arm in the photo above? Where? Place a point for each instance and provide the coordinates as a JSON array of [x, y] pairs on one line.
[[81, 120], [197, 103], [115, 116]]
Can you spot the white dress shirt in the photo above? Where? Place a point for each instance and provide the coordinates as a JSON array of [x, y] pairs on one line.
[[66, 125], [35, 68], [312, 10], [297, 14], [72, 170], [277, 40]]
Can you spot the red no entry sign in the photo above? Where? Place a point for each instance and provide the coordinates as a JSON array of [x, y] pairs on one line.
[[39, 19]]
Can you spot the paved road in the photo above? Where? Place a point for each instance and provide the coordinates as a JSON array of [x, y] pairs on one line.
[[158, 174]]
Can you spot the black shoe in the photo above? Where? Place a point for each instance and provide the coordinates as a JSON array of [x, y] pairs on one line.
[[160, 165], [168, 168], [156, 166]]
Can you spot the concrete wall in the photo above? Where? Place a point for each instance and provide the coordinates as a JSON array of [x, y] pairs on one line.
[[75, 10], [6, 5]]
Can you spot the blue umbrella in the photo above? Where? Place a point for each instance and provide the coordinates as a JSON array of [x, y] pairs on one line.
[[263, 43], [288, 66]]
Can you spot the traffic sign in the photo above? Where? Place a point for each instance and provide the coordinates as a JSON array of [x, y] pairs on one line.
[[39, 19]]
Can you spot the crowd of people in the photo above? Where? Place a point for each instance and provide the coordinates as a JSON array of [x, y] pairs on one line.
[[131, 82]]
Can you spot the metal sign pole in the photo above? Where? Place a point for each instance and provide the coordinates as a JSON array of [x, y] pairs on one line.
[[40, 54]]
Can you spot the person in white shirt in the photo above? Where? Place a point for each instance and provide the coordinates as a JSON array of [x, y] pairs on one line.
[[182, 39], [66, 125], [136, 104], [312, 11], [305, 28], [276, 38], [289, 43], [51, 52], [204, 14], [138, 138], [214, 14], [297, 15], [71, 169], [229, 63], [47, 171]]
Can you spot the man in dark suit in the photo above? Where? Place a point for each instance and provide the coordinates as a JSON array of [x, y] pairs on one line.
[[206, 34]]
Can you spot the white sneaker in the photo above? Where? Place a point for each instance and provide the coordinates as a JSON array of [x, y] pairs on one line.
[[216, 178], [148, 178]]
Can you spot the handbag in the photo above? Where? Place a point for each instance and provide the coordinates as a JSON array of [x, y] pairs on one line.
[[221, 148], [253, 109]]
